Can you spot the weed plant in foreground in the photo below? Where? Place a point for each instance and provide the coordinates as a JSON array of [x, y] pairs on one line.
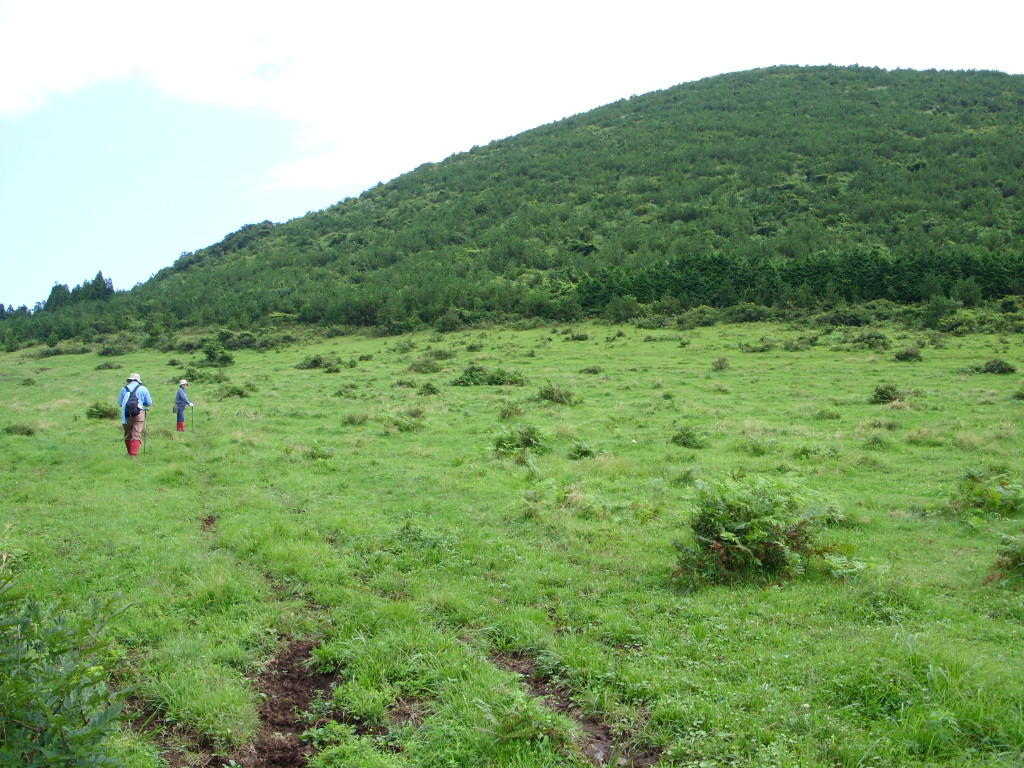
[[486, 576]]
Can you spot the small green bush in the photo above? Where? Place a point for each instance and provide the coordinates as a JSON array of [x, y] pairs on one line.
[[1011, 554], [994, 366], [522, 437], [56, 707], [909, 355], [986, 493], [108, 365], [427, 389], [552, 393], [101, 410], [887, 393], [478, 375], [720, 364], [581, 451], [19, 429], [688, 436], [317, 361], [750, 528], [424, 365]]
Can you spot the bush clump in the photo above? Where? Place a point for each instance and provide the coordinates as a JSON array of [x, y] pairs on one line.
[[520, 438], [887, 393], [994, 366], [1011, 554], [318, 361], [101, 410], [688, 436], [987, 493], [57, 707], [909, 355], [552, 393], [748, 529], [19, 429], [478, 375]]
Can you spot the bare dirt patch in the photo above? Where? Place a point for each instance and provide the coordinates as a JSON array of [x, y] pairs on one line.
[[288, 684], [599, 743]]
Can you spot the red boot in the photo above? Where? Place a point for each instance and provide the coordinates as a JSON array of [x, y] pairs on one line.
[[133, 448], [181, 426]]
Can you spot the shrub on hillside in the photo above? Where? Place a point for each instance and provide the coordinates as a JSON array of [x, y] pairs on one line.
[[887, 393], [101, 410], [519, 438], [314, 362], [57, 708], [689, 436], [994, 366], [1011, 555], [552, 393], [909, 355], [478, 375], [988, 493], [748, 529]]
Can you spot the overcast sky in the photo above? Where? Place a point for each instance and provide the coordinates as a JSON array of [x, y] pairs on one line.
[[131, 132]]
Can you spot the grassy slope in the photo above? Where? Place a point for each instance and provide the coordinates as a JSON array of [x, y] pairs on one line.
[[379, 519]]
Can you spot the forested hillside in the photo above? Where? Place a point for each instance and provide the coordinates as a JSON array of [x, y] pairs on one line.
[[781, 187]]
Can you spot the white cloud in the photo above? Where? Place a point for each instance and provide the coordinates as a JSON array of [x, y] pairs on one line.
[[374, 89]]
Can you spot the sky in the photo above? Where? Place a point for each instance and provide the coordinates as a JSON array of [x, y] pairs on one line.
[[132, 132]]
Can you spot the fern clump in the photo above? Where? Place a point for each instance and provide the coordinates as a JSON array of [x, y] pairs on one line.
[[749, 529], [520, 438], [986, 493], [689, 436]]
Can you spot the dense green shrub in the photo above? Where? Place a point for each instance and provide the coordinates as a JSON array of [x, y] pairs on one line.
[[689, 436], [887, 393], [909, 355], [750, 528], [552, 393], [19, 429], [994, 365], [478, 375], [521, 437], [1011, 554], [55, 706], [318, 361], [101, 410], [986, 492]]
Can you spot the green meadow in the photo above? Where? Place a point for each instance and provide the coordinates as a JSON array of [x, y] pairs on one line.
[[480, 534]]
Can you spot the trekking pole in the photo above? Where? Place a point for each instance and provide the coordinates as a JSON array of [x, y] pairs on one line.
[[145, 429], [193, 419]]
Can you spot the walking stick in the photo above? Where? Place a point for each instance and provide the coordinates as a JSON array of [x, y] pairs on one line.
[[193, 417], [145, 430]]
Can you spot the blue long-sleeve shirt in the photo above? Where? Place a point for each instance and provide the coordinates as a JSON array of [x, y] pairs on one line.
[[181, 400], [145, 399]]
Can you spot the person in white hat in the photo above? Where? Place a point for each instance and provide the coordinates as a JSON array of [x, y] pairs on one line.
[[134, 400], [180, 401]]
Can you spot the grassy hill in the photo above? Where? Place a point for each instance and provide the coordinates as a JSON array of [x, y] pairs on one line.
[[787, 187], [475, 549]]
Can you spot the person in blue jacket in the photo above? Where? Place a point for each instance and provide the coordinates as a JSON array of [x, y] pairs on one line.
[[180, 401], [134, 400]]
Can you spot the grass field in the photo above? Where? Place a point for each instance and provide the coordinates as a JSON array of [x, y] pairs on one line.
[[485, 572]]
